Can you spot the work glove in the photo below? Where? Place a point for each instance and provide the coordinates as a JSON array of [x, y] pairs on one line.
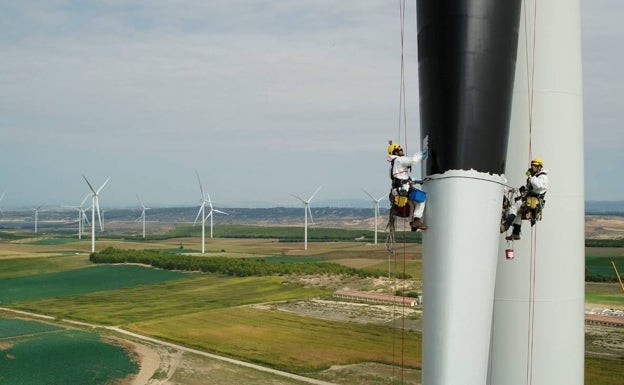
[[424, 154], [529, 172]]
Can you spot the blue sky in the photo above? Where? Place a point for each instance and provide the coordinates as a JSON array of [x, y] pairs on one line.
[[264, 98]]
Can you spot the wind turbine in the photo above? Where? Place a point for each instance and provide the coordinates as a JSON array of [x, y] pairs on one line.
[[306, 211], [37, 215], [201, 211], [1, 197], [82, 216], [95, 206], [142, 216], [376, 201]]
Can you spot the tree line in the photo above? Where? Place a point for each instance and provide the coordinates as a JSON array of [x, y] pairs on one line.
[[239, 267]]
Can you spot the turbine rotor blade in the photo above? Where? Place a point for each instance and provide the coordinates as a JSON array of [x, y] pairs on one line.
[[91, 187], [102, 186], [310, 212], [200, 186], [84, 200], [301, 199], [367, 193], [312, 196], [201, 208], [97, 208]]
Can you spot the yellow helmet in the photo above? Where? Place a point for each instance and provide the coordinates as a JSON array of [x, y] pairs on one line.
[[393, 147], [537, 161]]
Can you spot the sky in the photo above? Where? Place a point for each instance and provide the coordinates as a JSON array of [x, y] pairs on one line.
[[263, 99]]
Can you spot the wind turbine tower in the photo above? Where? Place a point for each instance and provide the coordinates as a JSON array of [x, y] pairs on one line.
[[376, 201], [81, 216], [205, 198], [142, 217], [95, 201], [2, 197], [37, 215], [306, 211]]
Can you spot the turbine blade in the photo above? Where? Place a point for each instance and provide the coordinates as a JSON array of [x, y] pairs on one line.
[[97, 208], [301, 199], [84, 200], [140, 201], [3, 195], [209, 214], [199, 212], [220, 212], [310, 213], [367, 193], [102, 186], [200, 186], [91, 187], [312, 196]]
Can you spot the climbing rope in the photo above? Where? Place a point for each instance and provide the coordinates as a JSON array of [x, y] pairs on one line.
[[530, 68], [391, 226]]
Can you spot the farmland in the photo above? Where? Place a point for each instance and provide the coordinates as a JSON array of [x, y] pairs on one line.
[[286, 322]]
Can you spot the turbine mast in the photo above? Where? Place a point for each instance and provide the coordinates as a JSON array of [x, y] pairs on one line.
[[467, 55]]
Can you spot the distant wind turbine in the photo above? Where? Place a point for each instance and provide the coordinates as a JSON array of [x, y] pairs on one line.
[[306, 211], [37, 215], [95, 206], [81, 216], [376, 201], [2, 197], [142, 216], [201, 212]]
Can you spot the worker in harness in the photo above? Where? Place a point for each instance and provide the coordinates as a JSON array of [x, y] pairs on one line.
[[531, 201], [404, 191]]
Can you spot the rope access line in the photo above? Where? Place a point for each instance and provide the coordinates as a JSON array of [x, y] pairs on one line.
[[530, 69], [391, 238]]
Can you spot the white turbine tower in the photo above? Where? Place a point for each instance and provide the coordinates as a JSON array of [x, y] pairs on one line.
[[2, 197], [376, 202], [142, 217], [201, 212], [306, 211], [81, 216], [36, 210], [95, 206]]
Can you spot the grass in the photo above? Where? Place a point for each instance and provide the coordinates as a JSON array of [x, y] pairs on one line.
[[40, 355], [80, 281], [169, 299], [205, 302], [21, 267], [283, 340], [604, 371]]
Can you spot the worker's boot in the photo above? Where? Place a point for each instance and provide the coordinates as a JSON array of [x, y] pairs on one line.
[[515, 234], [417, 224], [505, 226]]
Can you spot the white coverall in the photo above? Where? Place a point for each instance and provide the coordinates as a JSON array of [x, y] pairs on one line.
[[539, 182], [400, 170]]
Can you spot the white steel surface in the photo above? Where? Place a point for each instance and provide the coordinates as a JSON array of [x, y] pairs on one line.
[[460, 251], [546, 348]]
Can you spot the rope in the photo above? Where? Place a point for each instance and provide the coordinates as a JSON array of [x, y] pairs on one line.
[[402, 101], [530, 68], [530, 338]]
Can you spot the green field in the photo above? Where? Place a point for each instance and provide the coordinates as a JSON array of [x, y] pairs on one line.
[[36, 353], [601, 263], [285, 341], [12, 268], [80, 281], [199, 293], [208, 311]]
